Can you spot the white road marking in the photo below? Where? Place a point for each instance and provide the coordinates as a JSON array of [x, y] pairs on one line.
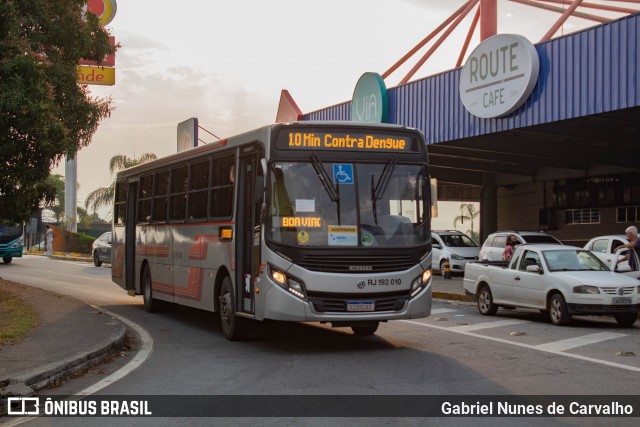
[[528, 346], [568, 344], [442, 310], [487, 325]]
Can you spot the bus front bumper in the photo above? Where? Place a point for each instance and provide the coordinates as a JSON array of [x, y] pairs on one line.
[[11, 253], [282, 305]]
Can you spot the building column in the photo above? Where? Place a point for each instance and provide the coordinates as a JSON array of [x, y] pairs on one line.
[[488, 206]]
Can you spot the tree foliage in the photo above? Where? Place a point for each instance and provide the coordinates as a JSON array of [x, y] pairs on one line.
[[469, 213], [104, 196], [44, 113]]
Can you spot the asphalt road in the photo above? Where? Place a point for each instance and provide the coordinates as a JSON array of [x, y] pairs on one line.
[[454, 352]]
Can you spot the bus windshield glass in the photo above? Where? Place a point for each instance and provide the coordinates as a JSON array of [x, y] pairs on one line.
[[10, 232], [328, 204]]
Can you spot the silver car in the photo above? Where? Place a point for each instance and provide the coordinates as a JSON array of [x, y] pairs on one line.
[[493, 246], [101, 249]]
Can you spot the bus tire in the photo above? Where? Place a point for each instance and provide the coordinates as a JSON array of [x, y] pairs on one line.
[[7, 259], [150, 304], [368, 329], [233, 327]]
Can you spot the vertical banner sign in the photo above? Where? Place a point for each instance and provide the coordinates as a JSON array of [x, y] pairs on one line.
[[187, 134], [370, 103]]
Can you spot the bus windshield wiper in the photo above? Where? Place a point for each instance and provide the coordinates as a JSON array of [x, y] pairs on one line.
[[324, 179], [381, 186], [333, 191]]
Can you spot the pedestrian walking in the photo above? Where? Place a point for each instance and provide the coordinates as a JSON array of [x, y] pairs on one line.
[[49, 238]]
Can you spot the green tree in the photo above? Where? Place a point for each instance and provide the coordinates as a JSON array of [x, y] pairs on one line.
[[469, 213], [104, 196], [45, 113]]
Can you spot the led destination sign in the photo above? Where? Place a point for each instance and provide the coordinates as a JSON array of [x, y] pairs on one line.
[[341, 141]]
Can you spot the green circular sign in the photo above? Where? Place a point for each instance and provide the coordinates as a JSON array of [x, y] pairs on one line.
[[370, 103]]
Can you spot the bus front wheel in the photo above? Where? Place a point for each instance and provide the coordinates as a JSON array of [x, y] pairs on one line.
[[367, 329], [233, 327], [7, 259]]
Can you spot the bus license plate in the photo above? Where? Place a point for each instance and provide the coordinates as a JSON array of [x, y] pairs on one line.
[[622, 300], [360, 306]]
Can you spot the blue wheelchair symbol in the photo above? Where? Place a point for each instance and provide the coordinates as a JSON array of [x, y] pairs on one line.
[[342, 173]]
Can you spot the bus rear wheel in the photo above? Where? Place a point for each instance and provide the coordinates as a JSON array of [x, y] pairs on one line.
[[367, 329], [7, 259], [233, 327], [150, 304]]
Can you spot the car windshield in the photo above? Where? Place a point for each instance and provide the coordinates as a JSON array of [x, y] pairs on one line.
[[458, 241], [572, 260], [325, 204]]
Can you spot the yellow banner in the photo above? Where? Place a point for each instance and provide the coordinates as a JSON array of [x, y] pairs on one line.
[[90, 75]]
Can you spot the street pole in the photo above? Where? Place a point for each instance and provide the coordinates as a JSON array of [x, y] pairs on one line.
[[70, 193]]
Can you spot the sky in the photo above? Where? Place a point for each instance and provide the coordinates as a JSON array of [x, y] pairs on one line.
[[226, 62]]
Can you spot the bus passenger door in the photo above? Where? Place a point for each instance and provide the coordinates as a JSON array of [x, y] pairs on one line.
[[248, 227], [130, 237]]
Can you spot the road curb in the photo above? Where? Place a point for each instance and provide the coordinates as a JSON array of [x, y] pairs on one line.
[[26, 383], [451, 296]]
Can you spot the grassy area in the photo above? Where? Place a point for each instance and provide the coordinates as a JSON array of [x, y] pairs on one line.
[[16, 318]]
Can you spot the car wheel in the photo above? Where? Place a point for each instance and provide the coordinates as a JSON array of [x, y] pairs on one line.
[[368, 329], [7, 259], [96, 259], [626, 319], [558, 310], [233, 327], [486, 306], [150, 304]]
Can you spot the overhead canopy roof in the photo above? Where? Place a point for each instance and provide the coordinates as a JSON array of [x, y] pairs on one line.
[[582, 119]]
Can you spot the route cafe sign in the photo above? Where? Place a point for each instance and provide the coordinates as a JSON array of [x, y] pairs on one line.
[[499, 76]]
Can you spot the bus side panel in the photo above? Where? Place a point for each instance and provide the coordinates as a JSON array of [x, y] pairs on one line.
[[188, 274], [216, 255], [157, 248]]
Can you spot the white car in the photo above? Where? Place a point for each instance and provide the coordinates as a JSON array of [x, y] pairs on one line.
[[604, 246], [454, 246], [493, 245], [556, 279]]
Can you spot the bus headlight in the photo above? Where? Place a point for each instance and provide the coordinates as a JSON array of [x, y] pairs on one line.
[[293, 285], [17, 243], [420, 282]]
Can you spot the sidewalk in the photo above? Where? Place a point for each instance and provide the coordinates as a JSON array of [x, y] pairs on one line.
[[71, 336], [450, 289]]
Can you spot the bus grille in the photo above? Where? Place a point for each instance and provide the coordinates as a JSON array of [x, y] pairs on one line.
[[357, 264], [337, 303]]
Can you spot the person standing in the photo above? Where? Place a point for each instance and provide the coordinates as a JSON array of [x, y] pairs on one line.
[[634, 244], [510, 247], [49, 238]]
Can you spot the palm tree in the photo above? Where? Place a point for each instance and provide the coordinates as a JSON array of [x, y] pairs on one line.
[[469, 212], [104, 196]]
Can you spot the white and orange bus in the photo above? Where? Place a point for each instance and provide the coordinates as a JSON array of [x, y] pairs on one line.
[[310, 221]]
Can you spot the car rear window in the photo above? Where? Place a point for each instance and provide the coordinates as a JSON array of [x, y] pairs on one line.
[[540, 238]]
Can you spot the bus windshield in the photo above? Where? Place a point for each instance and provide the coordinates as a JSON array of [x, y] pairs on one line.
[[9, 232], [328, 204]]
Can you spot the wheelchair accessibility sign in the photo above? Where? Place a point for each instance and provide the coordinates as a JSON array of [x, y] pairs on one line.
[[342, 173]]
